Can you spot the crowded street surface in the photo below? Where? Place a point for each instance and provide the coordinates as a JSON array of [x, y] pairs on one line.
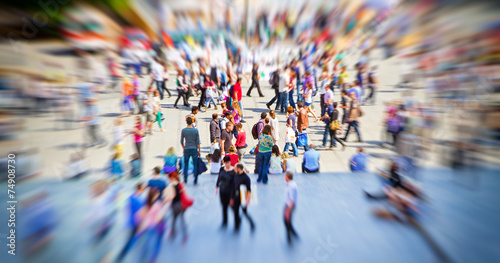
[[250, 131]]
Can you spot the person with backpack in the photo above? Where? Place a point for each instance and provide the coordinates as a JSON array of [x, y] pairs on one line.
[[256, 131], [275, 82]]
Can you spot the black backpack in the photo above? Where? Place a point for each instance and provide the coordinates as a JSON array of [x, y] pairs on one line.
[[255, 131]]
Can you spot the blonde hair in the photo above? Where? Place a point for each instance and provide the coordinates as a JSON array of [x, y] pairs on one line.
[[285, 155], [232, 149], [171, 151]]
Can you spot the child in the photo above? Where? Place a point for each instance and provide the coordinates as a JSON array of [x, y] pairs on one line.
[[215, 162], [135, 163], [275, 167], [233, 155]]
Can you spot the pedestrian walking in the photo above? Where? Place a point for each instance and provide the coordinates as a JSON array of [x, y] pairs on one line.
[[182, 89], [255, 81], [275, 82], [290, 204], [224, 187], [354, 114], [241, 179], [138, 133]]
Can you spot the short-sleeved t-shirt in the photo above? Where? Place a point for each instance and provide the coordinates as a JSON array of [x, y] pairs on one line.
[[158, 184], [240, 179], [227, 137], [234, 159], [293, 119]]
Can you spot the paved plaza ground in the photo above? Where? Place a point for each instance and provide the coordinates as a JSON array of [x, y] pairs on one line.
[[333, 218]]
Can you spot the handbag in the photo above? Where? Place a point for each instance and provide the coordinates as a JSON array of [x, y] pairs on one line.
[[334, 125], [186, 200], [290, 135], [202, 167], [302, 139]]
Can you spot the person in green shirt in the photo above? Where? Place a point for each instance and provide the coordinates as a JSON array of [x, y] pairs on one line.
[[265, 145]]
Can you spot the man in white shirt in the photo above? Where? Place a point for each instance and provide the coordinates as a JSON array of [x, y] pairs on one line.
[[157, 72], [284, 88], [290, 202]]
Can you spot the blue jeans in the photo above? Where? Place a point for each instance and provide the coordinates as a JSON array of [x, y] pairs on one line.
[[283, 101], [210, 99], [241, 108], [264, 159], [191, 153], [290, 99], [355, 125], [294, 147], [137, 67], [326, 134], [159, 87]]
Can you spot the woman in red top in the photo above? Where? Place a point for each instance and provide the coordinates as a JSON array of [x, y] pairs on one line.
[[241, 141], [234, 157]]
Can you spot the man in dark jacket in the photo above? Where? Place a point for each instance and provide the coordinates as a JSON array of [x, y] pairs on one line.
[[275, 83], [215, 128]]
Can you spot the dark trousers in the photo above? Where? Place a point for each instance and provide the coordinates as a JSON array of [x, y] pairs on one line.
[[257, 164], [164, 87], [355, 125], [322, 103], [333, 138], [191, 153], [203, 98], [283, 101], [224, 200], [178, 211], [138, 148], [371, 96], [305, 170], [290, 99], [181, 94], [276, 97], [290, 231], [326, 134], [255, 83], [237, 218]]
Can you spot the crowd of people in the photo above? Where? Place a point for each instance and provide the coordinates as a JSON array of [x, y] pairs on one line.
[[228, 157]]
